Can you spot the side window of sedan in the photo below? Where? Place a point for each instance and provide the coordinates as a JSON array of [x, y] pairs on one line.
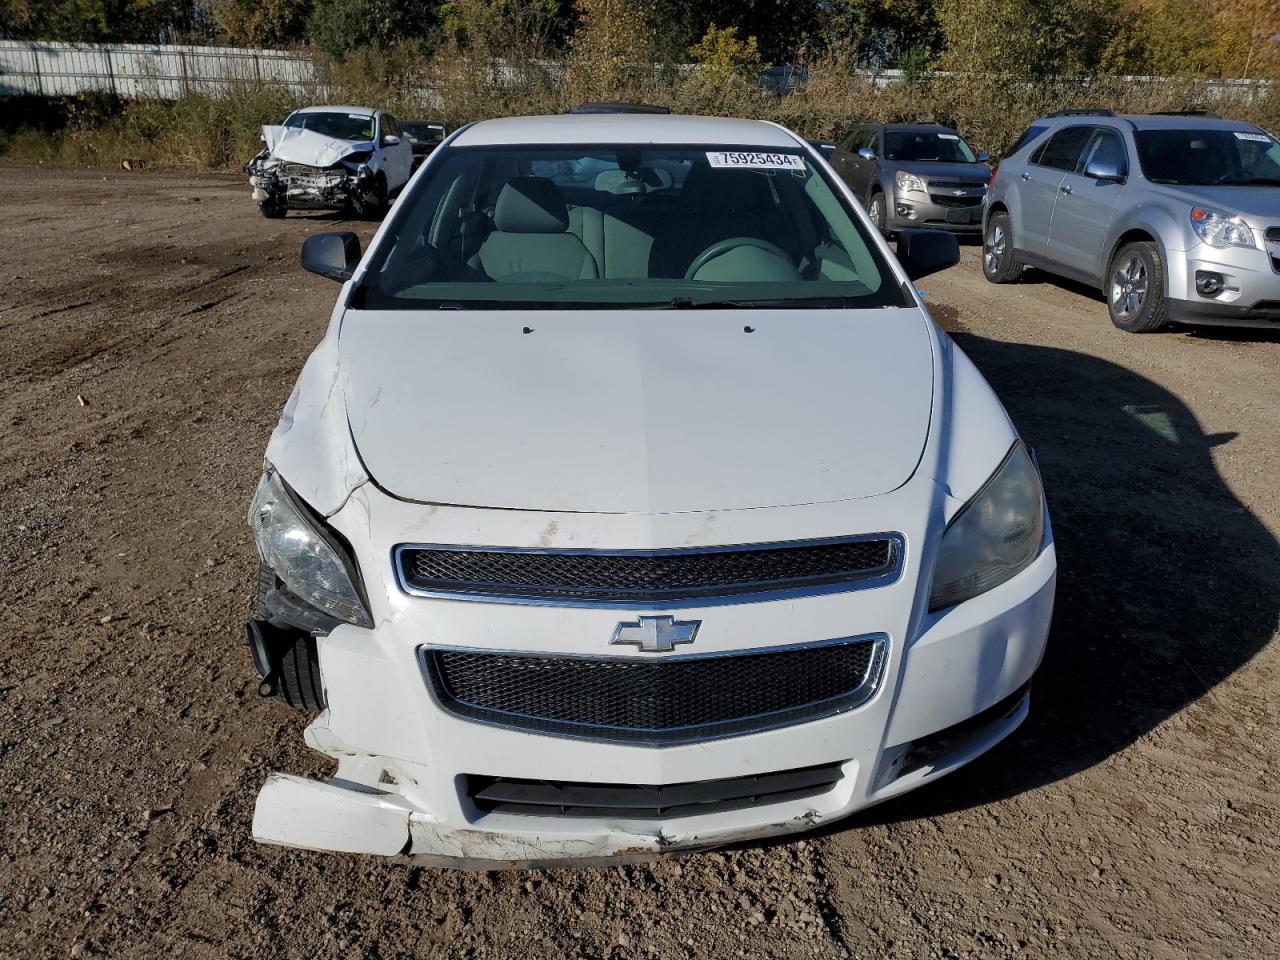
[[1062, 150]]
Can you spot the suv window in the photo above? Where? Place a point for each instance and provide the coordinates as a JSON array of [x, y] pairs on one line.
[[1062, 150], [389, 126], [1105, 146], [1028, 135], [855, 141]]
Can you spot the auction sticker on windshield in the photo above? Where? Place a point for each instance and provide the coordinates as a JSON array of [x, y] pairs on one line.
[[760, 161], [1254, 137]]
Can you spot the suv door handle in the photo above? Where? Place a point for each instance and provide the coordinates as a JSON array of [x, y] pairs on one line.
[[1065, 188], [1025, 175]]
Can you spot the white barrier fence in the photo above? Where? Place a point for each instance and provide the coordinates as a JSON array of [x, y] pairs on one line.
[[137, 70]]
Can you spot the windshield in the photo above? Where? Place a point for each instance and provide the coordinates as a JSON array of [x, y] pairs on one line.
[[340, 126], [597, 226], [423, 132], [1209, 157], [941, 146]]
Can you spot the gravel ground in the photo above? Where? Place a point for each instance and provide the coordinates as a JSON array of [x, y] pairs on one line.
[[151, 327]]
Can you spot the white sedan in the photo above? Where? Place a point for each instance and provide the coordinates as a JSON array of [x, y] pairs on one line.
[[633, 503]]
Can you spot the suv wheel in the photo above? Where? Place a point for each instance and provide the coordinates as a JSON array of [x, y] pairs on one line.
[[1000, 263], [1135, 288], [875, 210]]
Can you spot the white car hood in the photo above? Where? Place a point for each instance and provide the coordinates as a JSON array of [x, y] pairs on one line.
[[638, 411], [295, 145]]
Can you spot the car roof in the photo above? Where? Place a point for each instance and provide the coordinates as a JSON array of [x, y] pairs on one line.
[[339, 108], [1147, 121], [629, 128]]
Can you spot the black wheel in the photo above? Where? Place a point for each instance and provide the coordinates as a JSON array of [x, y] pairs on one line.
[[377, 200], [875, 210], [1135, 288], [1000, 263], [272, 209], [297, 677]]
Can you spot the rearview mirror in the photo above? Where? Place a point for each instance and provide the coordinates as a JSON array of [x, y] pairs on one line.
[[866, 153], [922, 252], [390, 140], [1104, 170], [333, 255]]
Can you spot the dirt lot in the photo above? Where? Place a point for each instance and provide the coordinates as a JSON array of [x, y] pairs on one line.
[[151, 327]]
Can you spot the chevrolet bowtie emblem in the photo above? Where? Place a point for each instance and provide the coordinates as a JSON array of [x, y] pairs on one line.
[[656, 634], [957, 193]]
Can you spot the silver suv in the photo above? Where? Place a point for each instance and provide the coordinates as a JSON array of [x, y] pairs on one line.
[[1175, 217], [914, 175]]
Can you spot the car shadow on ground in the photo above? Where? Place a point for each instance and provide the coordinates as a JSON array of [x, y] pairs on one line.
[[1203, 331], [1166, 581]]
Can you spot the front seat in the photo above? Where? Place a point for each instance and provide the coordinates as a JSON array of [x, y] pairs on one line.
[[530, 242]]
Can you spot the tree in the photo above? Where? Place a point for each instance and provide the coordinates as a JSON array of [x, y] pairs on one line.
[[722, 54], [340, 27], [98, 21], [1257, 22], [263, 23], [612, 49]]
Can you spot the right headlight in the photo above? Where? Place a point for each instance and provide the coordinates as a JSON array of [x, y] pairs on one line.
[[1220, 229], [994, 536], [305, 556], [909, 182]]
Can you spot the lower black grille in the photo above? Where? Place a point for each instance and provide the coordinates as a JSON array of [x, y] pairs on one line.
[[945, 201], [647, 576], [655, 701], [568, 799], [1273, 234]]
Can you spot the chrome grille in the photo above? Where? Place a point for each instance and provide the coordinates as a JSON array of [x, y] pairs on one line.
[[648, 577], [655, 701], [644, 802]]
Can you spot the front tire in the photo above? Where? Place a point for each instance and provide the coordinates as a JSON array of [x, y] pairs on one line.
[[1000, 263], [876, 211], [273, 209], [1135, 288], [377, 201]]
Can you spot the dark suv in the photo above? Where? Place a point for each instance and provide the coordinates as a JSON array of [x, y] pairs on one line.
[[915, 175]]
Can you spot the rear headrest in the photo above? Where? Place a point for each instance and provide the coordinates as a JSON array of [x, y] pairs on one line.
[[530, 205], [719, 191]]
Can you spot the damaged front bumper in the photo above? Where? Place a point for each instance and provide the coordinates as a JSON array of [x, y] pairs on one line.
[[403, 790], [298, 187]]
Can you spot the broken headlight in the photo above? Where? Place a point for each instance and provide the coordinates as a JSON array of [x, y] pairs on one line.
[[304, 555], [995, 535]]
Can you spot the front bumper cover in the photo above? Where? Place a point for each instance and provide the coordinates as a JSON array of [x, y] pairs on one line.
[[394, 797]]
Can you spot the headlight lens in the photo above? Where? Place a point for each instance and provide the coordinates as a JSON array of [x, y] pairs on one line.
[[994, 536], [909, 181], [1220, 229], [303, 556]]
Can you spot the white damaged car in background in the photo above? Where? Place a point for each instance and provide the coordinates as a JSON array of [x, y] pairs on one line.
[[331, 158], [633, 503]]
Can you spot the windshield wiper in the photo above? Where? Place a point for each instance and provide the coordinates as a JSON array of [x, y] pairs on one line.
[[688, 303]]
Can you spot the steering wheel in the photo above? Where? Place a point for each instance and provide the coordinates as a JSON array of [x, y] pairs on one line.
[[734, 243]]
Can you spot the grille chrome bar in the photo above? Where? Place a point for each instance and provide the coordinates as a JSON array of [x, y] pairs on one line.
[[655, 701], [652, 579]]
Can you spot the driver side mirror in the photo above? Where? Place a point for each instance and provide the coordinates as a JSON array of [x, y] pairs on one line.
[[983, 156], [922, 252], [390, 140], [866, 153], [333, 255], [1104, 170]]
